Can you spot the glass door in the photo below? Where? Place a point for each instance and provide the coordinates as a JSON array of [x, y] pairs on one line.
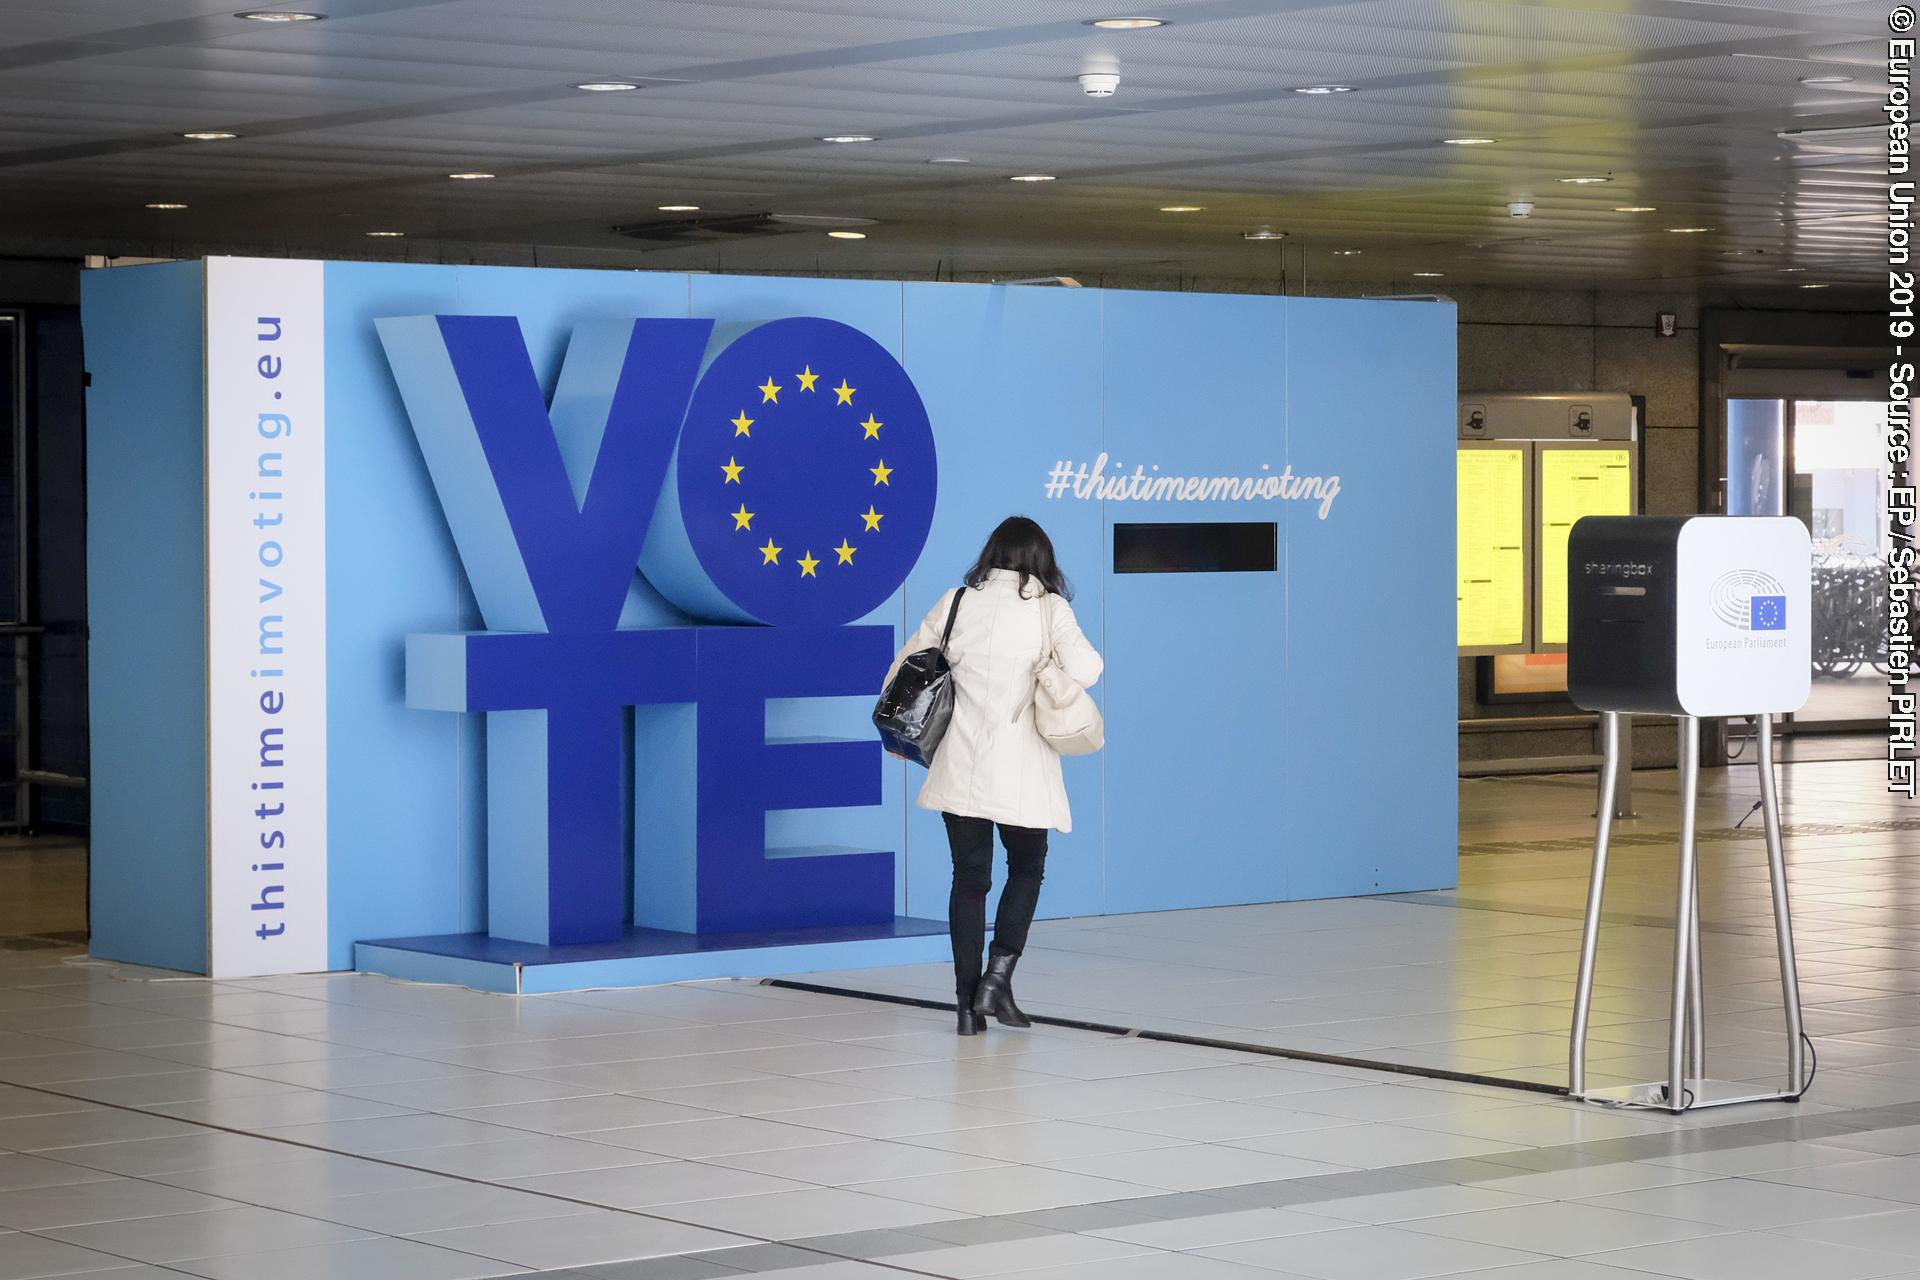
[[1838, 489]]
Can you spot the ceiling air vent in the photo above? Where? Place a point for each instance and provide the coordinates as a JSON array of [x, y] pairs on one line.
[[711, 227]]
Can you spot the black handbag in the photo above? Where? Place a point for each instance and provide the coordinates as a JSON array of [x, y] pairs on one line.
[[912, 715]]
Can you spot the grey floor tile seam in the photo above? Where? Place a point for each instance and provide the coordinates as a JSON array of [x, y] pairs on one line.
[[870, 1246], [1663, 838], [815, 1258], [1448, 898]]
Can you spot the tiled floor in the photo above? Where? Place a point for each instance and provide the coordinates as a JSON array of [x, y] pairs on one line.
[[346, 1126]]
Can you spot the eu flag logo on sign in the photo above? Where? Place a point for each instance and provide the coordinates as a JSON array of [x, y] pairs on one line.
[[1767, 613], [806, 475]]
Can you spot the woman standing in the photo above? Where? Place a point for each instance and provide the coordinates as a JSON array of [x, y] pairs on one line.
[[993, 767]]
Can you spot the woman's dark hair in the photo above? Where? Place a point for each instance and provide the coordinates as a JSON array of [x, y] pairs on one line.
[[1023, 546]]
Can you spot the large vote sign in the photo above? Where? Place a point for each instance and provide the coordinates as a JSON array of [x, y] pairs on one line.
[[784, 481], [520, 628]]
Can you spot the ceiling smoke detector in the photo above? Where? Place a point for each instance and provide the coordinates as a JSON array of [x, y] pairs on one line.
[[1099, 84]]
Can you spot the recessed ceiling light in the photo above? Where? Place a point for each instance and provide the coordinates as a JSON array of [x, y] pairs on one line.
[[1031, 177], [1321, 90], [1429, 275], [847, 137], [679, 208], [948, 160], [1346, 253], [1635, 208], [469, 177], [848, 235], [606, 86], [1469, 142], [1264, 233], [1182, 208], [209, 135], [165, 204], [386, 235], [278, 15], [1826, 79], [1688, 231], [1813, 286], [1126, 24], [1585, 182]]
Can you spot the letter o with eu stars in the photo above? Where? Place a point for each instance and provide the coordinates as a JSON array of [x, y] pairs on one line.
[[806, 474]]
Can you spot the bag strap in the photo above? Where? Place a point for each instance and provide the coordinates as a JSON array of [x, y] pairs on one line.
[[952, 613], [1046, 657]]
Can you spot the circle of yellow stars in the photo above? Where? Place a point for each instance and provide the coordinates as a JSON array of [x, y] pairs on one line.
[[733, 469]]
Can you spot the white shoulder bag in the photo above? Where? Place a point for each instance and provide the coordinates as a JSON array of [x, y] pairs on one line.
[[1064, 714]]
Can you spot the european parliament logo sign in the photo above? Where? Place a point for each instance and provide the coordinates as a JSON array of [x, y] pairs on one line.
[[1748, 600], [776, 487]]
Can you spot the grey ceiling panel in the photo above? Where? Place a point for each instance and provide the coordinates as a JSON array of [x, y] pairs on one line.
[[351, 124]]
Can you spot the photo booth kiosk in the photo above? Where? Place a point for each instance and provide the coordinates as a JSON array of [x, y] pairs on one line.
[[1690, 617]]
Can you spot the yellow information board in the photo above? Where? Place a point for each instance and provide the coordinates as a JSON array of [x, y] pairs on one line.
[[1575, 481], [1491, 562]]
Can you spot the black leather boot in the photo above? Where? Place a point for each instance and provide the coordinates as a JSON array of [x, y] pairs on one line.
[[971, 1023], [994, 995]]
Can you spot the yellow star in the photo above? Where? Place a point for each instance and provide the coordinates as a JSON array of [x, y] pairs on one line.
[[807, 378], [873, 426], [770, 554], [769, 390], [844, 551], [807, 565], [743, 518], [845, 393], [872, 518], [881, 472], [733, 470], [741, 423]]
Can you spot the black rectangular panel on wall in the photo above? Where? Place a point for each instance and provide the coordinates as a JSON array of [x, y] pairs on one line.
[[1201, 547]]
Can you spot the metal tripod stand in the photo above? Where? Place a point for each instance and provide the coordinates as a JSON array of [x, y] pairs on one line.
[[1687, 1085]]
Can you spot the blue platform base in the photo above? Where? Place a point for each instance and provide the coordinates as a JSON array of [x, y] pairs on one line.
[[648, 957]]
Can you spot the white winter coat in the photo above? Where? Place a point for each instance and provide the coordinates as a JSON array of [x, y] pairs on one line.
[[992, 764]]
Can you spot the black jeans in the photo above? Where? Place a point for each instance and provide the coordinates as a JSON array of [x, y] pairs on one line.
[[972, 841]]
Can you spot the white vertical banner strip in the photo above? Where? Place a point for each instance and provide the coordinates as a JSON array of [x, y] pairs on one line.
[[266, 617]]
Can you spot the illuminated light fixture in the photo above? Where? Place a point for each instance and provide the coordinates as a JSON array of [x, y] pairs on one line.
[[948, 160], [386, 235], [1813, 286], [1031, 177], [278, 15], [848, 137], [469, 177], [1688, 231], [1635, 208], [848, 235], [679, 208], [1826, 79], [210, 135], [1346, 253], [606, 86], [1469, 142], [1585, 182], [1791, 269], [1126, 24], [165, 204], [1182, 208], [1322, 90], [1263, 233], [1429, 275]]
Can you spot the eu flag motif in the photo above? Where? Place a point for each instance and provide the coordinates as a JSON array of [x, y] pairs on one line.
[[806, 473], [1767, 613]]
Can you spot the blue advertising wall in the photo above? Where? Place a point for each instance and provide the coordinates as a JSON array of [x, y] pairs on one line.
[[1270, 735]]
